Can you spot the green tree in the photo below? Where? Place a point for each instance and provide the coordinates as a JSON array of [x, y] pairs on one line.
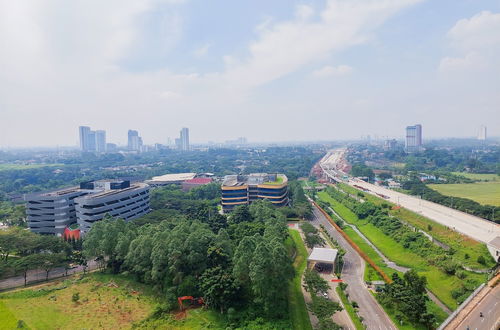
[[219, 288]]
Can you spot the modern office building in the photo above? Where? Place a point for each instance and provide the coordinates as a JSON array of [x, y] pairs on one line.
[[183, 142], [117, 198], [390, 144], [482, 133], [51, 212], [92, 141], [245, 189], [134, 141], [413, 142]]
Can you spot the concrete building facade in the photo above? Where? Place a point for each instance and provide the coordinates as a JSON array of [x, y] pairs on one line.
[[413, 142], [51, 212], [245, 189]]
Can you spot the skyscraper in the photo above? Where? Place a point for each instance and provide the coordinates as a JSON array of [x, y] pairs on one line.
[[413, 141], [100, 140], [184, 139], [92, 141], [134, 140], [481, 135]]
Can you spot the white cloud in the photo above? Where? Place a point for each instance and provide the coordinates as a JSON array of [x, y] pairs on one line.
[[475, 42], [328, 71], [201, 51]]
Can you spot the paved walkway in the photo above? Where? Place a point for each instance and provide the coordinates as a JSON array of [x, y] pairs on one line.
[[374, 316], [39, 275]]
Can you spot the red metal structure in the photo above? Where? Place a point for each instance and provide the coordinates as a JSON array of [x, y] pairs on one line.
[[194, 301]]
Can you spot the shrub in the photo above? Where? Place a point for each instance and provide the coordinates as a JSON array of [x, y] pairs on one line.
[[75, 297], [467, 256], [481, 260], [461, 274]]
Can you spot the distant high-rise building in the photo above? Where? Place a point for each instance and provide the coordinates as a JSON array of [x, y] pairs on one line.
[[481, 135], [92, 141], [134, 140], [84, 137], [413, 141], [184, 139], [390, 144], [100, 141]]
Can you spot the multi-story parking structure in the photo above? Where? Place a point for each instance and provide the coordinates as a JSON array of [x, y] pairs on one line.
[[118, 199], [51, 212], [244, 189]]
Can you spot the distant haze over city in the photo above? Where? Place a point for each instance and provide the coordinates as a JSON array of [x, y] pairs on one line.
[[267, 71]]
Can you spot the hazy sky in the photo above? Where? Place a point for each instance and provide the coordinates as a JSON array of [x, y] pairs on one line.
[[275, 70]]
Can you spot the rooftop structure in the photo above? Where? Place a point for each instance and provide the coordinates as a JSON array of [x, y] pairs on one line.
[[174, 178], [323, 256], [244, 189]]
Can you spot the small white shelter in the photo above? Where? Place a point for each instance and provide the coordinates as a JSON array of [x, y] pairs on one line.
[[324, 256]]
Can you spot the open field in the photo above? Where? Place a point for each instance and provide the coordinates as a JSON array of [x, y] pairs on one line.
[[6, 166], [461, 243], [486, 193], [438, 282], [105, 301], [476, 176], [296, 304]]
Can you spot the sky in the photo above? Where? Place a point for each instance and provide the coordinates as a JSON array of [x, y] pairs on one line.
[[278, 70]]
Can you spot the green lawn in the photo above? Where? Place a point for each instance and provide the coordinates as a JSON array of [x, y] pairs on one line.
[[477, 176], [461, 243], [296, 303], [101, 304], [8, 166], [439, 283], [486, 193], [350, 310]]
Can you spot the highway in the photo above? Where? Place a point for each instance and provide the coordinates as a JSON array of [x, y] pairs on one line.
[[374, 317], [490, 307], [472, 226]]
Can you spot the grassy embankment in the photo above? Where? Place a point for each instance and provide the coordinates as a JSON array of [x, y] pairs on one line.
[[296, 303], [479, 176], [439, 283], [460, 243]]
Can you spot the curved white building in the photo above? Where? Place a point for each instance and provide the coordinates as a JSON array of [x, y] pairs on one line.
[[126, 203], [51, 212]]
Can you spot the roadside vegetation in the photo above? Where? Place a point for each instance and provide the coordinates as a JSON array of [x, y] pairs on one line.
[[298, 309], [351, 310], [405, 247]]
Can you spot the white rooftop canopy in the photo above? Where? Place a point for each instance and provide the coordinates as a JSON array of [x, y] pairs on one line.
[[323, 255]]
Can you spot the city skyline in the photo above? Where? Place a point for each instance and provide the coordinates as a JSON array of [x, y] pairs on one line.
[[366, 68]]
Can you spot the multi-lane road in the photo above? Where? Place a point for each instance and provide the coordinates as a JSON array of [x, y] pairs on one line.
[[472, 226], [374, 317]]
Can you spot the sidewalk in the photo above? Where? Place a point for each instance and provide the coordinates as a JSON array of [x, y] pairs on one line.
[[38, 276]]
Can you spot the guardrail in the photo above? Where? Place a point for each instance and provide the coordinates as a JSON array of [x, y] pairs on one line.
[[460, 308]]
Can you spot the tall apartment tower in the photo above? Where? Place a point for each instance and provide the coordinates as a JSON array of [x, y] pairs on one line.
[[413, 142], [481, 135], [84, 137], [100, 141], [92, 141], [134, 140], [184, 139]]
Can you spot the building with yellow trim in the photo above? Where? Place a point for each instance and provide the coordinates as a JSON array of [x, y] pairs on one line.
[[244, 189]]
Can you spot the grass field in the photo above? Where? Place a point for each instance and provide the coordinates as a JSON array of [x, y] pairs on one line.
[[296, 304], [476, 176], [106, 301], [486, 193], [439, 283], [461, 243], [6, 166]]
